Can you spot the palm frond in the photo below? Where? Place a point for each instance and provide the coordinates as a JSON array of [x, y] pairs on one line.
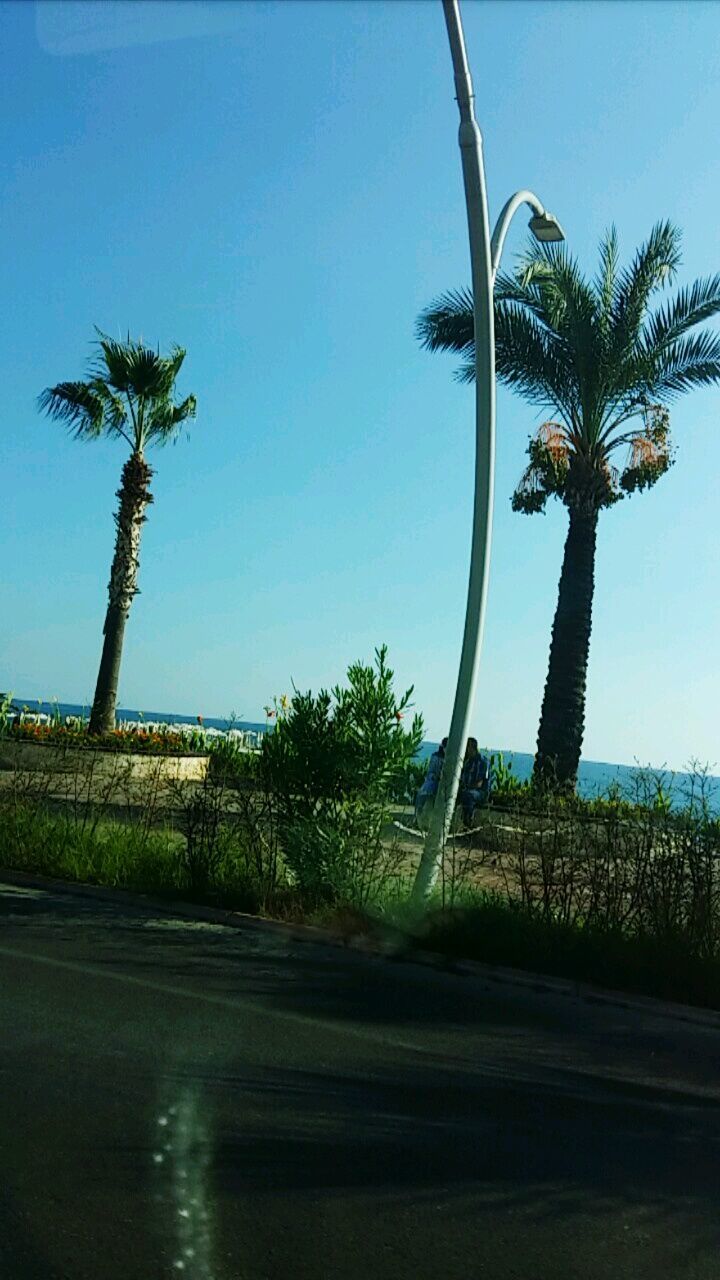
[[567, 299], [570, 310], [112, 365], [135, 369], [115, 412], [689, 307], [77, 405], [175, 360], [529, 357], [526, 351], [606, 276], [449, 323], [653, 266], [526, 292], [692, 361], [166, 419]]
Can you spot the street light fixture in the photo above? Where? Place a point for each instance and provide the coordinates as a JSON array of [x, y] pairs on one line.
[[485, 252], [546, 228]]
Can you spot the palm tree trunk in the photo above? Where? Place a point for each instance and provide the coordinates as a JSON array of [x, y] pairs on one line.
[[562, 719], [134, 494]]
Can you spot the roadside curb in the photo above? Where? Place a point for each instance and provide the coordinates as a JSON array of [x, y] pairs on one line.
[[391, 948]]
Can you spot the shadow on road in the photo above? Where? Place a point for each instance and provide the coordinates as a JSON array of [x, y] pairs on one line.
[[551, 1149], [503, 1113], [20, 1257]]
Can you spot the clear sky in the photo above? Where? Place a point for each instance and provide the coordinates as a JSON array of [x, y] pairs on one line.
[[277, 187]]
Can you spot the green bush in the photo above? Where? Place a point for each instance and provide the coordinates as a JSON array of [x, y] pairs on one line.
[[333, 764], [496, 930], [505, 787], [406, 786], [7, 713], [230, 763]]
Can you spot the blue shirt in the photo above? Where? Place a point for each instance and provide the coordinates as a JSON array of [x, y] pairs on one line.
[[432, 777]]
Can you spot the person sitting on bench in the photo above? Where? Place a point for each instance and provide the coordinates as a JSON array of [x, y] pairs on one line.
[[474, 781], [428, 790]]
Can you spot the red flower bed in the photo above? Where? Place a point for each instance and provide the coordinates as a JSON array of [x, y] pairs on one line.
[[135, 741]]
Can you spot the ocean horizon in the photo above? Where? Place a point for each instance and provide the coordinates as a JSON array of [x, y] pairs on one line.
[[594, 776]]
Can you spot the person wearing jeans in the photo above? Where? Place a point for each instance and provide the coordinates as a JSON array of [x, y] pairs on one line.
[[474, 781]]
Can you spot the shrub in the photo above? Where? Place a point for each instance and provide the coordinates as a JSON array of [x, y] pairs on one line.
[[8, 712], [408, 783], [332, 764], [202, 824], [231, 764], [613, 864], [495, 930], [505, 787]]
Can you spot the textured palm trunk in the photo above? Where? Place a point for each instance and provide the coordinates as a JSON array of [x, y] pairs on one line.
[[562, 719], [134, 494]]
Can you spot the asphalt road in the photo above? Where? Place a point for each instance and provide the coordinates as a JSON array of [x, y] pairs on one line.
[[182, 1099]]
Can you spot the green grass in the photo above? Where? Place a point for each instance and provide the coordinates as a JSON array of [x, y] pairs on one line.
[[480, 926], [128, 856], [489, 928], [121, 855]]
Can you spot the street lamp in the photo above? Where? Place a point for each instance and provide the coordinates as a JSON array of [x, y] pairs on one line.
[[485, 252], [546, 228]]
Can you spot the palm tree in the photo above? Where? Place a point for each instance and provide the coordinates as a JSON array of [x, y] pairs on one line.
[[130, 394], [606, 367]]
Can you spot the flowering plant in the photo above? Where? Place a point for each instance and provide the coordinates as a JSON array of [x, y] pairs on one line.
[[279, 709], [145, 741]]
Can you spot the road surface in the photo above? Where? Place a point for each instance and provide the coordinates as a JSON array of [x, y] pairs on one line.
[[185, 1099]]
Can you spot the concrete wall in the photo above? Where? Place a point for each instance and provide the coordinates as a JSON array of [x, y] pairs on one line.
[[44, 757]]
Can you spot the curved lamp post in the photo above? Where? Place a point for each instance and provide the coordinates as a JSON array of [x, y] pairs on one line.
[[485, 254]]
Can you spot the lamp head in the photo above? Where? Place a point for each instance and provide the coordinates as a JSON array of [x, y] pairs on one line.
[[546, 228]]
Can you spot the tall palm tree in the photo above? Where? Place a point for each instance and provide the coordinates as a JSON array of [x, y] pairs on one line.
[[594, 354], [130, 394]]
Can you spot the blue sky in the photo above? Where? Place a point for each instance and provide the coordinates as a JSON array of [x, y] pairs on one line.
[[277, 187]]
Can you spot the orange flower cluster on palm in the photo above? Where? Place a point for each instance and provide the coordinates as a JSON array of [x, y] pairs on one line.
[[643, 450], [552, 435]]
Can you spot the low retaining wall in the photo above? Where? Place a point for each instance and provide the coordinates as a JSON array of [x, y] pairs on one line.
[[46, 757]]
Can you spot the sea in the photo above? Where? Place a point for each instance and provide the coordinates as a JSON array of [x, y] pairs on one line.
[[594, 776]]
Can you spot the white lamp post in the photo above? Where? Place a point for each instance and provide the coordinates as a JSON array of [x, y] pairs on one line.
[[484, 258]]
